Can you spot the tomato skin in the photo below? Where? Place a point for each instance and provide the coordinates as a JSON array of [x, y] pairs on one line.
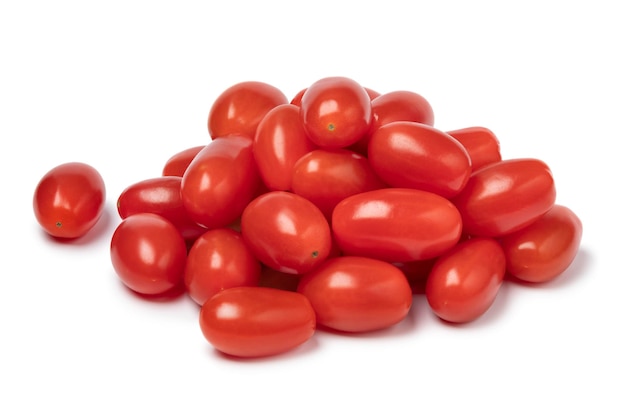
[[297, 99], [159, 195], [279, 142], [505, 196], [335, 112], [257, 321], [415, 155], [481, 144], [357, 294], [238, 110], [543, 250], [464, 282], [327, 176], [396, 224], [69, 200], [217, 260], [148, 254], [220, 181], [177, 164], [286, 232]]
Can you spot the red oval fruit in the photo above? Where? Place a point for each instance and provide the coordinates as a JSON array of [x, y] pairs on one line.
[[177, 164], [481, 144]]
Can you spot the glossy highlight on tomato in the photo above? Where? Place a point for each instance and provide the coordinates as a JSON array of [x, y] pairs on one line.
[[357, 294], [69, 200], [257, 321]]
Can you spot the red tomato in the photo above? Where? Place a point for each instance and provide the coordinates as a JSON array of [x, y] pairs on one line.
[[286, 232], [481, 144], [297, 99], [148, 254], [396, 225], [220, 181], [357, 294], [335, 112], [415, 155], [69, 200], [257, 321], [178, 163], [279, 142], [543, 250], [505, 196], [239, 109], [160, 195], [464, 282], [217, 260], [327, 176]]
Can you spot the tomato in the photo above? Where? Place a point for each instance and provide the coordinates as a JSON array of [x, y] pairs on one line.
[[415, 155], [69, 200], [177, 164], [396, 224], [286, 232], [160, 195], [357, 294], [505, 196], [464, 282], [217, 260], [481, 144], [297, 99], [543, 250], [148, 254], [279, 142], [238, 110], [257, 321], [220, 181], [335, 112], [327, 176]]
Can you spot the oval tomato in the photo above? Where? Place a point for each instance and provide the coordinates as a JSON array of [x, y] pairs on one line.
[[357, 294], [257, 321], [238, 110], [327, 176], [396, 224], [217, 260], [481, 144], [505, 196], [415, 155], [286, 232], [69, 200], [335, 112], [160, 195], [543, 250], [279, 142], [177, 164], [148, 254], [220, 181], [464, 282]]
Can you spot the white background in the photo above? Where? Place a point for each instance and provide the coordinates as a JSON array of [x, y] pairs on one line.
[[123, 85]]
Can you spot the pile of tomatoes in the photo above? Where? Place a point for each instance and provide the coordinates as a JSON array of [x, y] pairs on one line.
[[327, 211]]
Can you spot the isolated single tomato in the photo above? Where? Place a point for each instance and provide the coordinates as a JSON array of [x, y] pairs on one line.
[[543, 250], [159, 195], [481, 144], [286, 232], [357, 294], [217, 260], [220, 181], [148, 254], [257, 321], [464, 282], [415, 155], [505, 196], [396, 225], [327, 176], [335, 112], [279, 142], [238, 110], [69, 200], [177, 164]]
